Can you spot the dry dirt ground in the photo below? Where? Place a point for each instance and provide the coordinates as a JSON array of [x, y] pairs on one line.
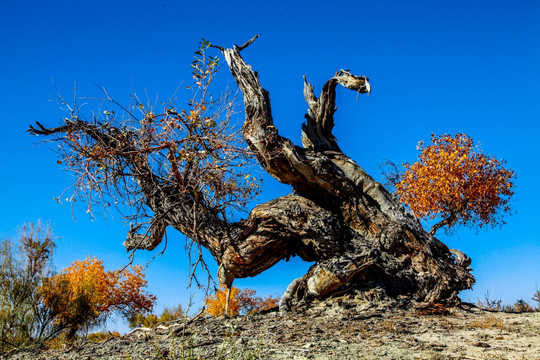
[[341, 328]]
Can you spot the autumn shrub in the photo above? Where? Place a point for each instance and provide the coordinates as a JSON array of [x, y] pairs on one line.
[[241, 302], [143, 320], [250, 303], [151, 320], [102, 335], [171, 313], [24, 264], [521, 306], [453, 180], [85, 295], [61, 340]]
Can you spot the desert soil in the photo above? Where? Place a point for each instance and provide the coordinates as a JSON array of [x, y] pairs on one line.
[[341, 328]]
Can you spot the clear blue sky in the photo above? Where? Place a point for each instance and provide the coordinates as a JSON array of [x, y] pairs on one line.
[[435, 66]]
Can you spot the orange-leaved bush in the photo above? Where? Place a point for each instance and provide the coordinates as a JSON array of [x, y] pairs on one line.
[[241, 302], [84, 294], [215, 304], [454, 180]]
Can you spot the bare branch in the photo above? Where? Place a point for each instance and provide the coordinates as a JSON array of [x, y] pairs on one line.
[[247, 43]]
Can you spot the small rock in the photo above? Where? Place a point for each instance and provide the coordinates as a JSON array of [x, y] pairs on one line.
[[240, 341], [482, 344]]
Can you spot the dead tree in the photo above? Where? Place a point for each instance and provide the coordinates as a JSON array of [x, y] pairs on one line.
[[358, 234]]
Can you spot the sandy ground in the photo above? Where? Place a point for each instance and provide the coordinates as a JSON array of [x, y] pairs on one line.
[[337, 329]]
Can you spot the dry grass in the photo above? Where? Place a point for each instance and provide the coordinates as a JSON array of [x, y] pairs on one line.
[[354, 331], [488, 322], [389, 326]]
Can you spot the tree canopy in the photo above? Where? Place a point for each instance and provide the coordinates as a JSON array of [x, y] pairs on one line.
[[454, 180]]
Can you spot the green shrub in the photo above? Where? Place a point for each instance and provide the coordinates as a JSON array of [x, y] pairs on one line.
[[24, 264]]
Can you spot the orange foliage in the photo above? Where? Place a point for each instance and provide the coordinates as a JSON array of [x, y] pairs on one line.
[[454, 180], [85, 294], [215, 305], [249, 303], [241, 302]]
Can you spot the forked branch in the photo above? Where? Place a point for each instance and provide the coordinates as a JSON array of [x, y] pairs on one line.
[[317, 131]]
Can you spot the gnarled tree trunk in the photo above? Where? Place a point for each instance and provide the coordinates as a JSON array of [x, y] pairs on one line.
[[358, 234]]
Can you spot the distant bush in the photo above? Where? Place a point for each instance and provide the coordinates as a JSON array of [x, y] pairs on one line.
[[241, 302], [521, 306], [102, 335], [61, 341], [250, 303], [171, 314], [24, 265], [488, 304], [215, 304], [151, 320]]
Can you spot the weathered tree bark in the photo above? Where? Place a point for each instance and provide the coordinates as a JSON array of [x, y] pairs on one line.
[[356, 231], [358, 234]]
